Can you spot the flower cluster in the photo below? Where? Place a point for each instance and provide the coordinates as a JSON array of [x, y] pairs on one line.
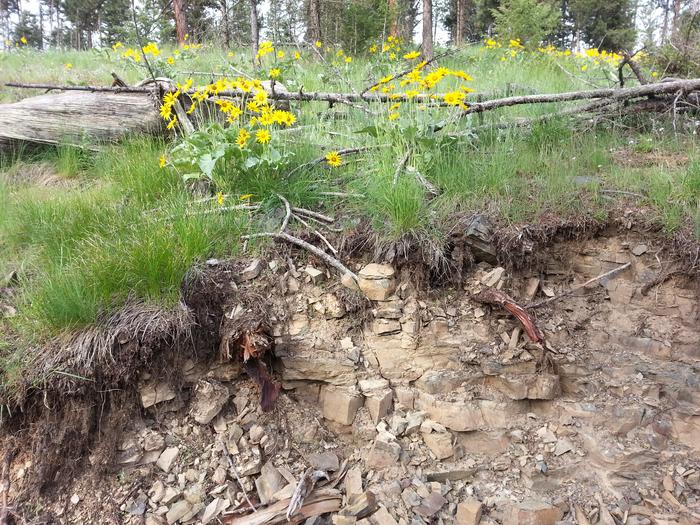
[[254, 105], [585, 58], [391, 48]]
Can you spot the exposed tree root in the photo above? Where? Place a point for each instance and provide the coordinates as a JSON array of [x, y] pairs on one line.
[[498, 298]]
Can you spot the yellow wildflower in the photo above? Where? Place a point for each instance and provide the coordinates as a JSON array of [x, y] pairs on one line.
[[411, 93], [265, 48], [230, 54], [266, 118], [165, 111], [394, 107], [253, 106], [584, 67], [392, 56], [373, 48], [184, 87], [262, 136], [162, 161], [172, 123], [260, 96], [246, 197], [334, 159], [117, 45], [220, 198], [297, 55], [170, 60], [454, 98], [242, 138], [348, 60], [411, 55], [393, 116], [461, 74], [69, 66], [654, 74], [275, 72], [318, 44], [23, 40], [280, 54]]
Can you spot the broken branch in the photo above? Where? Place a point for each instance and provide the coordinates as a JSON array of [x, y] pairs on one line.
[[335, 263], [498, 298], [576, 288]]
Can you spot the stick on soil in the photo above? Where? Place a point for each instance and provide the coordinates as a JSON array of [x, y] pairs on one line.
[[498, 298]]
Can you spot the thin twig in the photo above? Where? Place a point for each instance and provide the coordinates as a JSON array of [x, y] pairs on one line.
[[400, 167], [319, 160], [317, 233], [308, 247], [321, 217], [576, 288], [287, 215], [238, 479], [407, 71], [140, 42]]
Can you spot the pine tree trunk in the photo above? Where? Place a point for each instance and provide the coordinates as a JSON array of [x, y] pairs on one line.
[[394, 23], [427, 29], [41, 27], [676, 16], [664, 30], [461, 16], [314, 21], [254, 34], [227, 25], [180, 22]]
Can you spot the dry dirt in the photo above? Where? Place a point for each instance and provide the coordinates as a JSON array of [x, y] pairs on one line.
[[423, 407]]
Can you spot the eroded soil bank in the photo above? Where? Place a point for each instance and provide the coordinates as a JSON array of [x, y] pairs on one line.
[[421, 404]]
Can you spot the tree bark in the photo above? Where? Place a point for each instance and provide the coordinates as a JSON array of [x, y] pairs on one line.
[[254, 29], [459, 23], [227, 26], [394, 21], [314, 21], [427, 29], [180, 22], [664, 29]]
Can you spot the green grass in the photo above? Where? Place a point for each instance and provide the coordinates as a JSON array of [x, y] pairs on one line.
[[113, 227]]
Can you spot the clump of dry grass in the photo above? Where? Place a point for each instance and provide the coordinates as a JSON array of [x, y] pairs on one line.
[[110, 352]]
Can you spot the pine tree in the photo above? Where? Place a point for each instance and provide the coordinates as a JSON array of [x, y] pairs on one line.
[[604, 24], [115, 22], [27, 28]]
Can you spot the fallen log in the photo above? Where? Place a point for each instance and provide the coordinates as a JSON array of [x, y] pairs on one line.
[[98, 114], [80, 118], [618, 94]]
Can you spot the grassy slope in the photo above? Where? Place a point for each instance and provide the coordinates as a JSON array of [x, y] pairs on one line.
[[112, 227]]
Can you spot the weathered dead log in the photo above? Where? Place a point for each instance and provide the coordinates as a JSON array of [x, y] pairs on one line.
[[96, 114], [77, 118], [617, 94], [659, 88]]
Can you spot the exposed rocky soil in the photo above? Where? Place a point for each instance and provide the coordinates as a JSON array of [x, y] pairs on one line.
[[421, 405]]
